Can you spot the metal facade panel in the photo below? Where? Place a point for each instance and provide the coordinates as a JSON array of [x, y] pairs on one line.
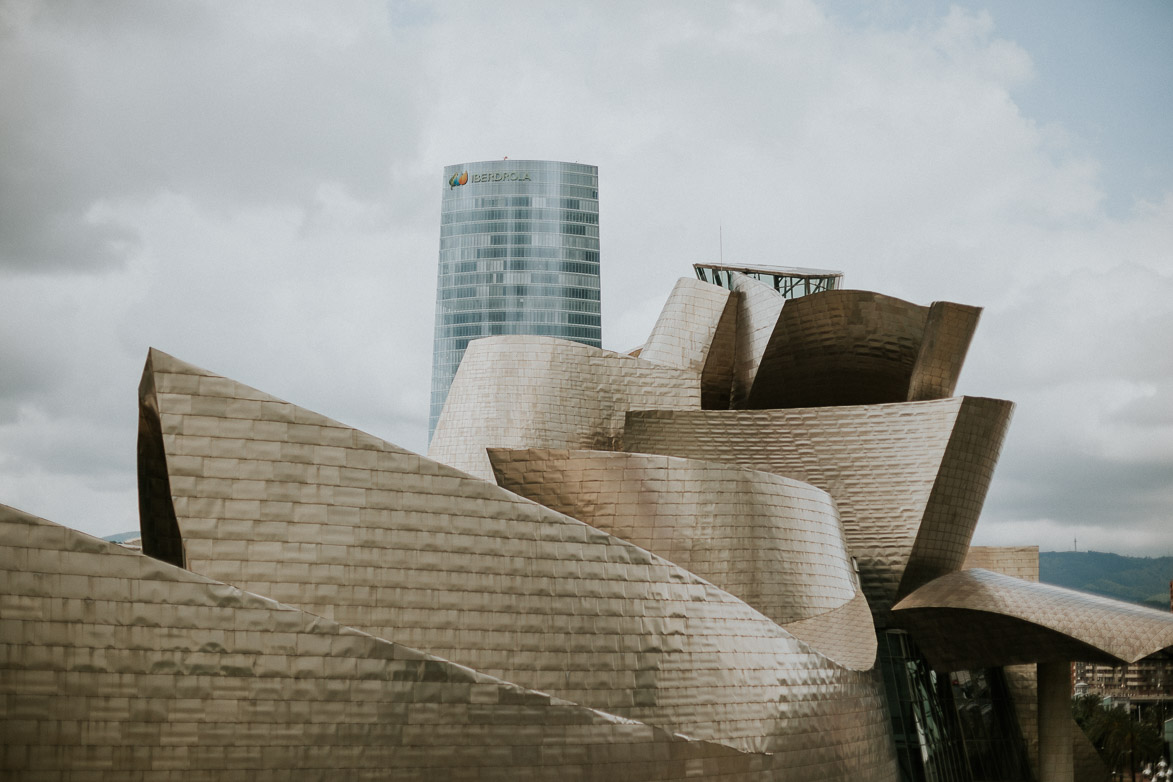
[[697, 330], [340, 524], [687, 324], [538, 392], [903, 475], [975, 618], [114, 666], [948, 332], [841, 347], [775, 543], [758, 306]]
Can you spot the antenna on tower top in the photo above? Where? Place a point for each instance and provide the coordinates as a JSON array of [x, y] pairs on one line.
[[721, 242]]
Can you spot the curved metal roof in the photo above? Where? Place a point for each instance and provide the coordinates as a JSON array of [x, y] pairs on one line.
[[977, 618]]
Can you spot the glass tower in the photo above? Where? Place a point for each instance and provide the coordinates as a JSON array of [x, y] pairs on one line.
[[519, 254]]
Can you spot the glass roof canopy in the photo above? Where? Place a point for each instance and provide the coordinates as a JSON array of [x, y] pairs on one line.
[[791, 282]]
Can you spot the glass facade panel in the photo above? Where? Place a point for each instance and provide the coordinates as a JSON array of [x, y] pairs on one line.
[[929, 743], [959, 727], [993, 739], [519, 254]]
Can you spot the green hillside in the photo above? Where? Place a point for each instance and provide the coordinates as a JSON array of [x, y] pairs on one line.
[[1143, 580]]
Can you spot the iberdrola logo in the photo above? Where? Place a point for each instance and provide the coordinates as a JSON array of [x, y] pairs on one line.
[[458, 179]]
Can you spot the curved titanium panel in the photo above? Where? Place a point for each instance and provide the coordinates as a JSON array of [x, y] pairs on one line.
[[775, 543], [758, 306], [539, 392], [286, 502], [846, 347], [846, 634], [978, 618], [116, 666], [959, 491], [948, 332], [908, 479], [697, 330]]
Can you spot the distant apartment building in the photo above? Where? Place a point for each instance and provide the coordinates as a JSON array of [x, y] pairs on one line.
[[1147, 680]]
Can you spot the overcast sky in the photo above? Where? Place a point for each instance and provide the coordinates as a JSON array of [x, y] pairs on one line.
[[254, 187]]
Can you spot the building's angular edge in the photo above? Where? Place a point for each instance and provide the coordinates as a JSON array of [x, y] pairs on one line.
[[697, 330], [948, 333], [719, 370], [963, 478], [160, 530], [758, 307], [840, 347], [684, 331]]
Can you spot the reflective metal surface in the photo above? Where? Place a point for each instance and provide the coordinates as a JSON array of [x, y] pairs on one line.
[[758, 307], [116, 666], [537, 392], [774, 542], [281, 501], [697, 330], [847, 347], [975, 618], [909, 479]]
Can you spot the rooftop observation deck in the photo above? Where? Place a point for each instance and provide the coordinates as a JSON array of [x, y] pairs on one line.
[[790, 281]]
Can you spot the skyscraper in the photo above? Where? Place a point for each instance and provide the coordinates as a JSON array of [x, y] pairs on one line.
[[519, 254]]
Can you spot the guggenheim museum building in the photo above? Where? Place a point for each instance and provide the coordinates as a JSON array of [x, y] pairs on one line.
[[738, 552]]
